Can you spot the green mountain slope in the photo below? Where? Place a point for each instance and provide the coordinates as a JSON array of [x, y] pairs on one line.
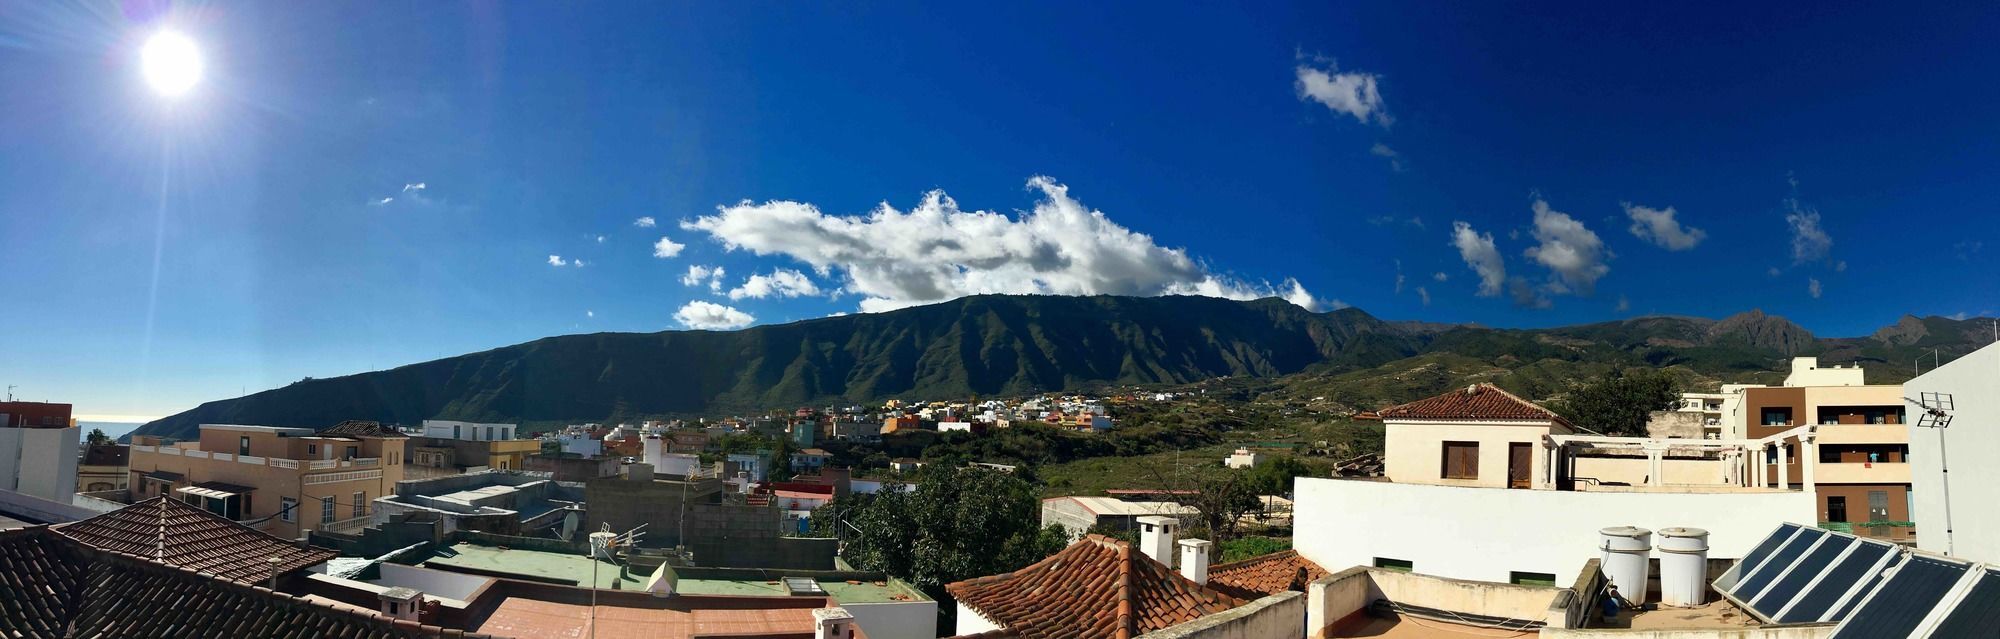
[[1001, 345]]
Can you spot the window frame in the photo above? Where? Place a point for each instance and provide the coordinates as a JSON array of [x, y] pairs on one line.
[[360, 503], [1470, 471], [1394, 564], [326, 510], [288, 510]]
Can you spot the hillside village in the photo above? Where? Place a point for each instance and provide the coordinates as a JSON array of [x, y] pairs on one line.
[[816, 522]]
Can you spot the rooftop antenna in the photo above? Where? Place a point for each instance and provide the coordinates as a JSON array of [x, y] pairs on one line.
[[10, 391], [1936, 414]]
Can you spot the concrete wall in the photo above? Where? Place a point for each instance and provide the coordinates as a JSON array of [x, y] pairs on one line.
[[1415, 451], [1483, 533], [1279, 616], [1633, 470], [896, 619], [1971, 442], [1347, 595], [439, 583], [39, 461], [1664, 424], [30, 507]]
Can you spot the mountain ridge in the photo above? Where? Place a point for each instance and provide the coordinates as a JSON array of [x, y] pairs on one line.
[[999, 345]]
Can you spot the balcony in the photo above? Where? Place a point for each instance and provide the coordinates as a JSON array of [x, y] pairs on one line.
[[1863, 434], [1862, 473]]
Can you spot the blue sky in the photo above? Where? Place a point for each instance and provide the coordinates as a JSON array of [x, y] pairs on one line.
[[357, 186]]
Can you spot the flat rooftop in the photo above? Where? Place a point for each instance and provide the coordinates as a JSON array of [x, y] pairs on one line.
[[536, 619], [542, 565], [1414, 628]]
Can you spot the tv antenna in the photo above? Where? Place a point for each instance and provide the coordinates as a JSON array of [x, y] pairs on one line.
[[10, 391], [1936, 414]]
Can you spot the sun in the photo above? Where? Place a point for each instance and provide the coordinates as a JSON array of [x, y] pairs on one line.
[[171, 63]]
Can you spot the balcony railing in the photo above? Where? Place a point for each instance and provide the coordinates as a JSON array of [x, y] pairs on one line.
[[274, 462], [347, 525]]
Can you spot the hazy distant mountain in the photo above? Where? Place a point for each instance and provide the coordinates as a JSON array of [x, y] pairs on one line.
[[998, 345]]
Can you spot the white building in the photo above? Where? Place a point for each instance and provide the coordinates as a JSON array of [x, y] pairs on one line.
[[1969, 444], [580, 443], [469, 431], [38, 459], [1486, 486], [1243, 458]]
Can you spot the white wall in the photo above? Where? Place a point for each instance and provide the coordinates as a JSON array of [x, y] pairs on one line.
[[1483, 533], [1415, 451], [442, 429], [970, 622], [438, 583], [1971, 443], [39, 462], [895, 619]]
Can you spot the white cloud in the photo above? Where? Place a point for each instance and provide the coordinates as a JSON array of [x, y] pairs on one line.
[[697, 274], [1960, 316], [1623, 304], [1395, 159], [782, 282], [1773, 272], [1479, 252], [1810, 243], [937, 251], [576, 263], [666, 248], [711, 316], [590, 313], [1399, 283], [600, 239], [1812, 287], [414, 186], [1353, 93], [1840, 266], [1659, 227], [1573, 254], [644, 222], [382, 202], [1440, 276], [1424, 295], [557, 260]]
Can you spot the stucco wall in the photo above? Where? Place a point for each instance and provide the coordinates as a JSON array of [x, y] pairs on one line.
[[896, 619], [1972, 440], [970, 622], [1483, 533], [1279, 616], [39, 461], [1414, 451], [1633, 470]]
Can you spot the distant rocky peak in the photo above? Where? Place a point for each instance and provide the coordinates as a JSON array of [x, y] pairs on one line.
[[1763, 331], [1908, 330]]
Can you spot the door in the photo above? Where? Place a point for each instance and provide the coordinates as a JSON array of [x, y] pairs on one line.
[[1520, 464], [1878, 510]]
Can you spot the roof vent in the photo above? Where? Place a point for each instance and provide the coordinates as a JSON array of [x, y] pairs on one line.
[[803, 586], [1472, 389]]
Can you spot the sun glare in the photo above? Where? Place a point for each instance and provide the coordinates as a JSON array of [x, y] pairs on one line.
[[171, 63]]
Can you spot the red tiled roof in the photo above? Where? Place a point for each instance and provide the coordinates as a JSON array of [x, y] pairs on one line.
[[358, 428], [54, 586], [1265, 575], [1479, 402], [1097, 588], [178, 534]]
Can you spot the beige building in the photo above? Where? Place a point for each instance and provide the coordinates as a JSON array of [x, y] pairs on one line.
[[1479, 436], [299, 479], [1861, 444], [103, 468], [449, 448]]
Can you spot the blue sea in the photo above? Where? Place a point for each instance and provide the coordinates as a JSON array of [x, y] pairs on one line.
[[114, 429]]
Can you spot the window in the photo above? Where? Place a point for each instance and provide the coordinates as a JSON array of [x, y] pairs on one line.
[[360, 503], [1398, 565], [392, 608], [1461, 460], [489, 433], [454, 432], [353, 452], [326, 510], [1836, 508], [1829, 454], [1777, 416], [288, 509], [242, 445], [1520, 578], [312, 449]]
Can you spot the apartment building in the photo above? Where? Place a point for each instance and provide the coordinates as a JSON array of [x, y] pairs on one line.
[[289, 480], [1862, 445], [38, 450], [451, 447], [103, 468]]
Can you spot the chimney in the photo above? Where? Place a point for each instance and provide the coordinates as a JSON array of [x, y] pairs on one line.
[[832, 623], [1156, 537], [1194, 559], [401, 603], [652, 450]]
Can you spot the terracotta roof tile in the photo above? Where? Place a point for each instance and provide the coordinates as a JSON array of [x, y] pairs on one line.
[[1265, 575], [1097, 588], [178, 534], [53, 586], [358, 428], [1477, 402]]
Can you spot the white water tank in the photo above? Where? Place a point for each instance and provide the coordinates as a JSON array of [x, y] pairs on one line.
[[1683, 566], [1625, 555]]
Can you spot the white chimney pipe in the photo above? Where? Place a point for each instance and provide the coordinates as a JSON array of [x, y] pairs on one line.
[[1156, 537], [1194, 559]]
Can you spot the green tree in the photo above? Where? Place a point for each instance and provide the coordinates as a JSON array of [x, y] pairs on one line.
[[1274, 477], [1252, 546], [1620, 403], [97, 437], [957, 524]]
